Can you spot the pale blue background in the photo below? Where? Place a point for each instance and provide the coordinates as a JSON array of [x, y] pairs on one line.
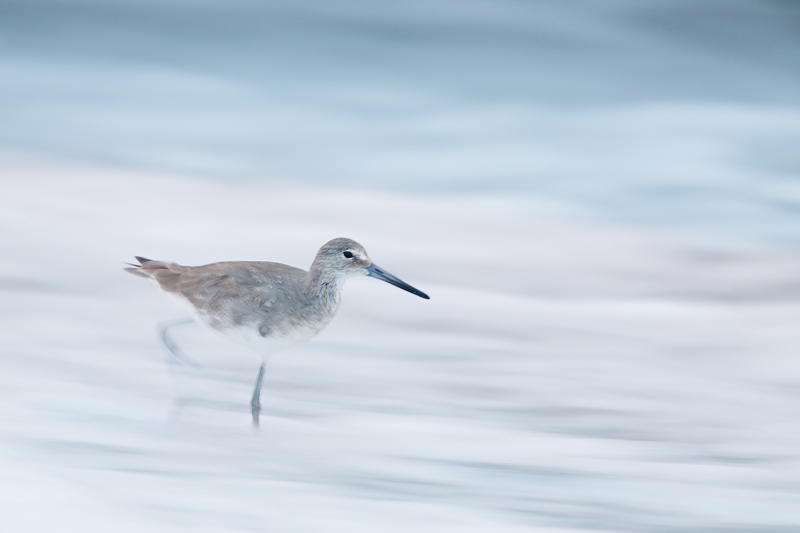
[[668, 112]]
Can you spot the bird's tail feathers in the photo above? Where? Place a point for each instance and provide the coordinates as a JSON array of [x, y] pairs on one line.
[[147, 268]]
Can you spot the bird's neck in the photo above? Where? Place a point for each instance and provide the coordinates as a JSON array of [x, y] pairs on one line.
[[324, 289]]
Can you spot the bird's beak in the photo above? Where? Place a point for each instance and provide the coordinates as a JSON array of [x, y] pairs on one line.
[[374, 271]]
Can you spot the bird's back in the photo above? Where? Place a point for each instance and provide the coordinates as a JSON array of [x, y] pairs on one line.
[[263, 298]]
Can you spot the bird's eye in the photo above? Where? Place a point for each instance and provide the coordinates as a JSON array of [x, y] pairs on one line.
[[347, 254]]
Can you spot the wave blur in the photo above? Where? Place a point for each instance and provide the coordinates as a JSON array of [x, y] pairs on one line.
[[667, 113], [600, 198]]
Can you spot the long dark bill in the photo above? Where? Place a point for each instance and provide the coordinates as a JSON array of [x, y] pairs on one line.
[[378, 273]]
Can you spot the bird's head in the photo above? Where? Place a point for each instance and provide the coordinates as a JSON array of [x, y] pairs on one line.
[[345, 258]]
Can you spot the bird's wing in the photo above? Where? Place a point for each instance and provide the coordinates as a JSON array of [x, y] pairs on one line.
[[227, 293]]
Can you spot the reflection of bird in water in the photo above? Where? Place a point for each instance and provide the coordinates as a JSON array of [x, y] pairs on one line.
[[267, 306]]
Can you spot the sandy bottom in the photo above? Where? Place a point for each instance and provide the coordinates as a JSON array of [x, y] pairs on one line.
[[564, 376]]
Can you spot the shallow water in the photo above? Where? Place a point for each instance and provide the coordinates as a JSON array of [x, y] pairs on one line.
[[563, 376], [601, 200]]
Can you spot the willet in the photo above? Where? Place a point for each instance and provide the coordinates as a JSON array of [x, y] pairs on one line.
[[265, 306]]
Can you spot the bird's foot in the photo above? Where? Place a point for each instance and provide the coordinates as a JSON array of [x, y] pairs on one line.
[[255, 409]]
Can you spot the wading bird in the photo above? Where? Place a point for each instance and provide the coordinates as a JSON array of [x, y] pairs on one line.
[[265, 306]]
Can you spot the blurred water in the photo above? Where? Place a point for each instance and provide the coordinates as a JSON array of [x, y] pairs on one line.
[[591, 192], [667, 112], [563, 376]]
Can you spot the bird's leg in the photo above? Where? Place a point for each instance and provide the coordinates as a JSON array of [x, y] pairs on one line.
[[161, 329], [255, 403]]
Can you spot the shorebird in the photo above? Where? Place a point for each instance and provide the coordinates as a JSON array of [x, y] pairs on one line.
[[266, 306]]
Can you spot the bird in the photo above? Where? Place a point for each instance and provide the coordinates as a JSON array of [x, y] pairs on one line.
[[265, 306]]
